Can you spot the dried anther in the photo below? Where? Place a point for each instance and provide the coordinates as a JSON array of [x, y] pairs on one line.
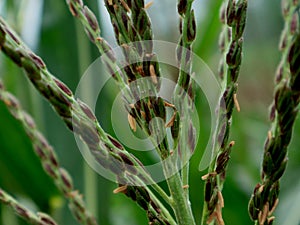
[[171, 121], [122, 189], [270, 135], [185, 186], [206, 176], [232, 143], [274, 207], [148, 5], [263, 214], [221, 199], [153, 74], [132, 122], [124, 4], [236, 103], [211, 218], [219, 217], [168, 104]]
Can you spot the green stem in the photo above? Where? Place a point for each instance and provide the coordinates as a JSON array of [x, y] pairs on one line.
[[180, 203]]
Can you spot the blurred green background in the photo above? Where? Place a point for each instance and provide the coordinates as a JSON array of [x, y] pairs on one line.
[[49, 29]]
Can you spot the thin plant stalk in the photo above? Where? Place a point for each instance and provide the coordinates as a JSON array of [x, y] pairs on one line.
[[233, 16], [49, 160], [24, 213], [283, 113]]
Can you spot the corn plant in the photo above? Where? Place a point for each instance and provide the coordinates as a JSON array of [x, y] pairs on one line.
[[168, 124]]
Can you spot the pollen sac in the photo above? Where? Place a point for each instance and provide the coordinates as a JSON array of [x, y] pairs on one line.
[[91, 18], [2, 36], [182, 7], [191, 29], [31, 68], [66, 180]]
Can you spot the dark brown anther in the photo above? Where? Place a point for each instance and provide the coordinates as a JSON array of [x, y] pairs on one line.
[[222, 15], [14, 54], [38, 61], [46, 219], [240, 17], [208, 190], [143, 23], [2, 36], [49, 170], [66, 179], [234, 57], [272, 113], [283, 41], [52, 157], [222, 160], [221, 69], [73, 9], [31, 68], [115, 142], [142, 202], [126, 159], [182, 7], [125, 20], [191, 29], [230, 12], [144, 193], [91, 18], [40, 152], [107, 49], [86, 109], [20, 210], [78, 201], [63, 87], [13, 36], [128, 191], [90, 35], [180, 25], [155, 207]]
